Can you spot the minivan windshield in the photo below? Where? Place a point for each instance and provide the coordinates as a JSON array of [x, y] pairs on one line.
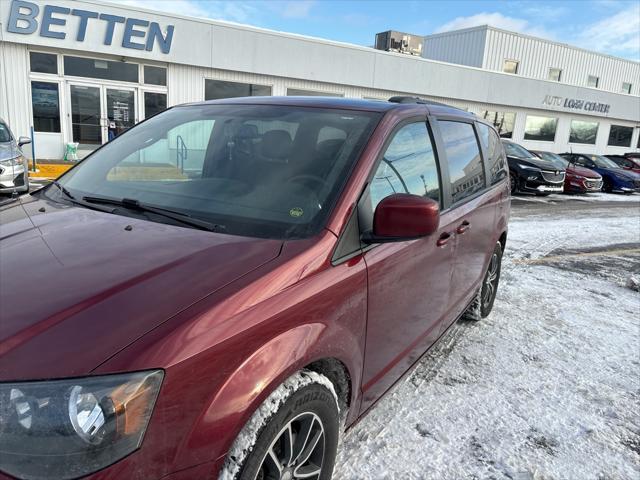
[[515, 150], [5, 135], [268, 171], [554, 158]]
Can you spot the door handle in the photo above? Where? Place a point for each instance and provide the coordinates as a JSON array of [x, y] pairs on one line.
[[463, 227], [444, 239]]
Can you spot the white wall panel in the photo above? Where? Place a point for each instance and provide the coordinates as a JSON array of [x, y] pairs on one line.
[[14, 87]]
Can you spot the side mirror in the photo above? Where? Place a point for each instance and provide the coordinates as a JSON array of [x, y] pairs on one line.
[[402, 217], [23, 141]]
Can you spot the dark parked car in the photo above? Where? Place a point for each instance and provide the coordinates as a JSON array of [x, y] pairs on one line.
[[222, 309], [14, 166], [577, 179], [529, 173], [614, 178], [626, 162]]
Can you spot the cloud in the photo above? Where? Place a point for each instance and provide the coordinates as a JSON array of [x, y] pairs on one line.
[[233, 11], [619, 33], [495, 19]]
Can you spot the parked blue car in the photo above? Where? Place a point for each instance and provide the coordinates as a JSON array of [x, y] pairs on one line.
[[614, 178]]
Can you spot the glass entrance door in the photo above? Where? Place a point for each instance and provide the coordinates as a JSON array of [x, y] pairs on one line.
[[100, 113], [86, 126]]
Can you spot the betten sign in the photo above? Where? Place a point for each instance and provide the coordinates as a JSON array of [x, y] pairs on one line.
[[576, 104], [25, 18]]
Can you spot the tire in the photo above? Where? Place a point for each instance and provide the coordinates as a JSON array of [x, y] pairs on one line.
[[606, 186], [305, 402], [513, 181], [491, 281]]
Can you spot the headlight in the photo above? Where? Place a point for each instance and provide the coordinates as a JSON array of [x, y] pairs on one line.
[[527, 167], [579, 177], [66, 429], [13, 162]]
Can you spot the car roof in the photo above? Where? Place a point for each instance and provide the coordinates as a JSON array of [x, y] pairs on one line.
[[345, 104]]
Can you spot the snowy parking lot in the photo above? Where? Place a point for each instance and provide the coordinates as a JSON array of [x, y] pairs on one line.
[[548, 386]]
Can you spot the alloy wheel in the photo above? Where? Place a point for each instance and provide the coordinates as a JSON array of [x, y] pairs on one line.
[[490, 281], [297, 451]]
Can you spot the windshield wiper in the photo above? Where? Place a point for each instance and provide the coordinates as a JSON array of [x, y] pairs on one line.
[[82, 203], [133, 204]]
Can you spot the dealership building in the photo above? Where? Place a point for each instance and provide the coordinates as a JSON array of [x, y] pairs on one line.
[[83, 71]]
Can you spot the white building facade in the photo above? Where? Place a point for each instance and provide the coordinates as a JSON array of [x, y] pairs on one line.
[[83, 71]]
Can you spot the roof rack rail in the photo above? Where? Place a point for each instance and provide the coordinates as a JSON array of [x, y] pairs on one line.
[[422, 101]]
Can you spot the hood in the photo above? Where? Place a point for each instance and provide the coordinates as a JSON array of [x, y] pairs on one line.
[[9, 150], [534, 162], [76, 286], [583, 171], [622, 173]]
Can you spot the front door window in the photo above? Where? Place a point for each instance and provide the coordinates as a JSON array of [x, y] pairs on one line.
[[86, 116], [121, 111]]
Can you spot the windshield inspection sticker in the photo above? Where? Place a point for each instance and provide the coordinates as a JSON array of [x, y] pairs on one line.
[[296, 212]]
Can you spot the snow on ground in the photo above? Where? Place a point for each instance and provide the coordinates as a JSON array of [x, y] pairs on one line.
[[546, 388], [586, 197]]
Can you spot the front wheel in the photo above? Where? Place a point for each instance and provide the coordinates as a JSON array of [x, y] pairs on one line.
[[293, 434]]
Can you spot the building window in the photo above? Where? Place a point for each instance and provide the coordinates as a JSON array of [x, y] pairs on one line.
[[620, 136], [155, 75], [583, 132], [503, 121], [297, 92], [46, 107], [408, 166], [540, 128], [103, 69], [626, 87], [495, 153], [216, 89], [466, 170], [154, 103], [593, 81], [510, 66], [43, 62], [554, 74]]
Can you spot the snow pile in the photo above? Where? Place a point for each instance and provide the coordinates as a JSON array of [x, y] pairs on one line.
[[546, 388]]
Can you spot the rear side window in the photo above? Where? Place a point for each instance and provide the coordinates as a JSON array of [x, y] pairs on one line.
[[495, 153], [466, 171], [408, 166]]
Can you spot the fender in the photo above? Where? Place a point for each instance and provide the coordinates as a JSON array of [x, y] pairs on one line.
[[262, 372]]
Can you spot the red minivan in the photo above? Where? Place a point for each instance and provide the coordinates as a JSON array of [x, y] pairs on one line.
[[220, 290]]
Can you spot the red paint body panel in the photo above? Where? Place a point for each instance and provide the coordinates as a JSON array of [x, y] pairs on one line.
[[229, 318]]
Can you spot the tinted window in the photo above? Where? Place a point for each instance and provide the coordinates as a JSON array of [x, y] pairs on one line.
[[465, 166], [626, 87], [583, 132], [155, 75], [540, 128], [620, 136], [217, 89], [593, 81], [503, 121], [43, 62], [46, 107], [255, 170], [105, 69], [518, 151], [408, 166], [495, 154], [297, 92], [510, 66], [154, 103], [5, 134], [554, 158], [554, 74]]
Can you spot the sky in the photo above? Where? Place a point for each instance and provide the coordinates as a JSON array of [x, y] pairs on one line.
[[607, 26]]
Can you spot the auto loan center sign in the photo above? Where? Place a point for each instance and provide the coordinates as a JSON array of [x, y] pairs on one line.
[[53, 21], [576, 104]]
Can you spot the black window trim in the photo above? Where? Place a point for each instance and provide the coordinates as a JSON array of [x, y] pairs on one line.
[[204, 84]]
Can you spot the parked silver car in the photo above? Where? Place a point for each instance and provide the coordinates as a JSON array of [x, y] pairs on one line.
[[14, 167]]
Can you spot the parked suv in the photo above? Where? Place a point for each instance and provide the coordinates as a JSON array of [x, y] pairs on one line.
[[577, 179], [614, 178], [531, 174], [14, 167], [226, 284]]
